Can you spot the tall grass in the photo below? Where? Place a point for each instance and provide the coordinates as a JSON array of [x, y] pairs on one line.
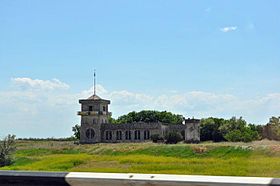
[[203, 159]]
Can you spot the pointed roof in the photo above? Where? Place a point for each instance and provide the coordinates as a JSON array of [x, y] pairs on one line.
[[95, 97]]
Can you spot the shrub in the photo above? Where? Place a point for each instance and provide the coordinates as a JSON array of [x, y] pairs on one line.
[[234, 129], [76, 130], [156, 138], [7, 147], [246, 135], [173, 138], [233, 136]]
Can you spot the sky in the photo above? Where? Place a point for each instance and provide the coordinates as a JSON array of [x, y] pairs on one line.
[[195, 58]]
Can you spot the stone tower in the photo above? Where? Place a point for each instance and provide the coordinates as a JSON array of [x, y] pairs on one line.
[[192, 130], [94, 112]]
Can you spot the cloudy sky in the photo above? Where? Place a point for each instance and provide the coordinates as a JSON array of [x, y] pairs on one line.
[[196, 58]]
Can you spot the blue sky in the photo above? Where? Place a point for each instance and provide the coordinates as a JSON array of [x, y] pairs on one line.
[[196, 58]]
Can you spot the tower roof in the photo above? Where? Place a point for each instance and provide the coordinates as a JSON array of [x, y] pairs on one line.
[[95, 97]]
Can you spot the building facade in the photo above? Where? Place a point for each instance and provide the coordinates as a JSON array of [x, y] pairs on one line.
[[96, 128]]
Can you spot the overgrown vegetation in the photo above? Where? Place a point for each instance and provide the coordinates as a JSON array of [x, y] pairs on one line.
[[76, 130], [7, 147], [234, 130], [234, 159], [149, 116], [173, 138], [156, 138]]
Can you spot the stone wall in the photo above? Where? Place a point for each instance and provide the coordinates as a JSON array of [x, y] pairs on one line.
[[178, 128], [270, 133], [192, 133], [95, 138], [139, 132]]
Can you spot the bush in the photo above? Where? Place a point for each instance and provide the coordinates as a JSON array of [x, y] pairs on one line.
[[76, 130], [246, 135], [233, 136], [173, 138], [156, 138], [7, 147]]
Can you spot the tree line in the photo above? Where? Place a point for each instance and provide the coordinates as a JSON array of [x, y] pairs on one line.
[[211, 129], [237, 129], [234, 130]]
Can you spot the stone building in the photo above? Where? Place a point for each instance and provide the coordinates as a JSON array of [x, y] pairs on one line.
[[95, 126]]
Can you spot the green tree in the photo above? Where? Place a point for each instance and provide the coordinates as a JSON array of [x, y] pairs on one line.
[[150, 116], [233, 124], [233, 136], [258, 130], [76, 130], [210, 129], [7, 147], [173, 138], [236, 129], [112, 120]]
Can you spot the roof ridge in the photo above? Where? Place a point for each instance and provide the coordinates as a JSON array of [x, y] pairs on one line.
[[95, 97]]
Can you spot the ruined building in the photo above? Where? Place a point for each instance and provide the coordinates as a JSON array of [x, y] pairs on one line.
[[96, 128]]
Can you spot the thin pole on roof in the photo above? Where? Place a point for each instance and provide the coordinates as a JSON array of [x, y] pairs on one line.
[[94, 83]]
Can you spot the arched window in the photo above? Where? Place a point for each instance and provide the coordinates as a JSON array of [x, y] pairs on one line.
[[146, 134], [119, 135], [108, 135], [94, 121], [90, 133], [137, 134], [128, 135]]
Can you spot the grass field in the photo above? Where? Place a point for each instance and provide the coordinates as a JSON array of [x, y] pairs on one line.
[[235, 159]]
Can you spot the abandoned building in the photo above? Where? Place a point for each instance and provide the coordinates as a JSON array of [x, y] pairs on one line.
[[95, 126]]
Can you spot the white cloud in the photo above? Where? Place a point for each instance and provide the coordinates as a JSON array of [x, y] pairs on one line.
[[198, 104], [40, 84], [34, 112], [228, 29]]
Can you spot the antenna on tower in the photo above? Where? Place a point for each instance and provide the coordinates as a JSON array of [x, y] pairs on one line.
[[94, 83]]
